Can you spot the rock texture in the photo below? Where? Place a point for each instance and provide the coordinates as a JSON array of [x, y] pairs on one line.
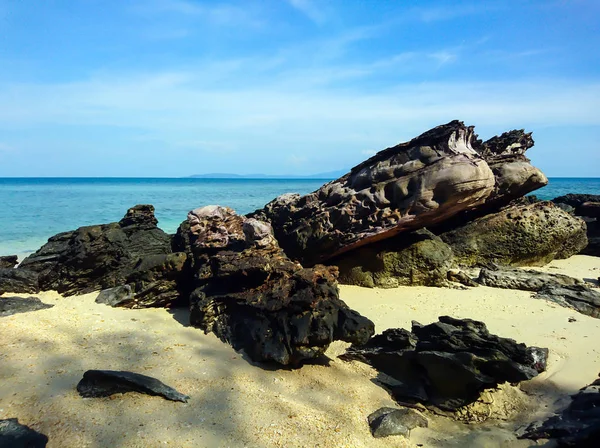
[[577, 426], [402, 188], [8, 261], [103, 383], [525, 235], [579, 297], [386, 422], [15, 435], [253, 297], [523, 279], [18, 281], [576, 200], [15, 305], [416, 258], [448, 364], [587, 206]]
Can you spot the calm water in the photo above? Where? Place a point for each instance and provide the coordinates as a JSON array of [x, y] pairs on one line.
[[34, 209]]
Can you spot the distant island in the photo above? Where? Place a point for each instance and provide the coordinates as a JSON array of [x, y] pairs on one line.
[[326, 175]]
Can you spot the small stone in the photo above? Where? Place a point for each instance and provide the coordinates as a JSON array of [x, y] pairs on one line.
[[395, 422]]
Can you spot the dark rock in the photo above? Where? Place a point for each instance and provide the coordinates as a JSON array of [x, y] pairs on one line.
[[591, 209], [579, 297], [117, 296], [576, 200], [402, 188], [578, 425], [18, 281], [103, 383], [528, 235], [566, 207], [140, 216], [8, 261], [523, 279], [449, 363], [15, 435], [416, 258], [458, 276], [253, 297], [593, 235], [14, 305], [386, 422]]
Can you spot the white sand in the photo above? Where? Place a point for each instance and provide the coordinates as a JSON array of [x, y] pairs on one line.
[[234, 403]]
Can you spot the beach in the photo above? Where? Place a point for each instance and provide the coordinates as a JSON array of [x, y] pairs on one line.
[[235, 402]]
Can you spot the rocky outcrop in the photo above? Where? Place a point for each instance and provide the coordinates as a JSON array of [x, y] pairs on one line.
[[416, 258], [15, 305], [8, 261], [523, 279], [104, 383], [18, 281], [15, 435], [526, 235], [576, 200], [579, 297], [253, 297], [449, 363], [591, 209], [385, 422], [402, 188], [587, 206], [578, 425]]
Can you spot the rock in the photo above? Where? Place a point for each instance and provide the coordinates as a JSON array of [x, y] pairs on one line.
[[256, 299], [579, 297], [576, 200], [416, 258], [8, 261], [593, 235], [458, 276], [402, 188], [578, 425], [449, 363], [386, 422], [98, 257], [527, 235], [18, 281], [523, 279], [15, 305], [15, 435], [591, 209], [103, 383], [117, 296]]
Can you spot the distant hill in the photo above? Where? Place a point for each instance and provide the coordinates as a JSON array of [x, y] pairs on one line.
[[327, 175]]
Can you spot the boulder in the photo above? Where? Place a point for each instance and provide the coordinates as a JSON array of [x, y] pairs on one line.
[[8, 261], [579, 297], [15, 305], [587, 206], [593, 235], [448, 363], [256, 299], [402, 188], [18, 281], [386, 422], [576, 200], [15, 435], [523, 235], [590, 209], [523, 279], [415, 258]]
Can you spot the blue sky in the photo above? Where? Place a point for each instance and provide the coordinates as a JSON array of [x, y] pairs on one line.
[[177, 87]]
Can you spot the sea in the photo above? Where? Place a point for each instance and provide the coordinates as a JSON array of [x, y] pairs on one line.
[[34, 209]]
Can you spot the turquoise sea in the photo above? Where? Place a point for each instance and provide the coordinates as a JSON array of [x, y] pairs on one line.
[[33, 209]]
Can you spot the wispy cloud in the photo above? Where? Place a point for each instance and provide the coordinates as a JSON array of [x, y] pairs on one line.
[[310, 9], [440, 13]]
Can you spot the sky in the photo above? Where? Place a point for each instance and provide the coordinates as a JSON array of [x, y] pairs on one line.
[[170, 88]]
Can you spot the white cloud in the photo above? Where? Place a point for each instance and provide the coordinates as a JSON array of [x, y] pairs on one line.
[[310, 10]]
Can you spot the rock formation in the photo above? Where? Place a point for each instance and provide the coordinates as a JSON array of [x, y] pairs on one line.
[[523, 279], [579, 297], [253, 297], [18, 281], [8, 261], [15, 435], [588, 207], [385, 422], [15, 305], [448, 364]]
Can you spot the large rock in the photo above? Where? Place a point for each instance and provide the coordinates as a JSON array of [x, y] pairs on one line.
[[579, 297], [97, 257], [16, 305], [416, 258], [576, 200], [523, 279], [405, 187], [15, 435], [18, 281], [588, 206], [8, 261], [449, 363], [525, 235], [253, 297]]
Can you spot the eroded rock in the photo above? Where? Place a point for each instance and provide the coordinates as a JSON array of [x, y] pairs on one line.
[[8, 261], [386, 422], [579, 297], [18, 281], [15, 305], [523, 279]]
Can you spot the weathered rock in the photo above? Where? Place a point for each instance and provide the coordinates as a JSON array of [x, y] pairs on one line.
[[579, 297], [591, 209], [15, 305], [528, 235], [402, 188], [18, 281], [15, 435], [416, 258], [593, 235], [448, 364], [576, 200], [578, 425], [523, 279], [458, 276], [117, 296], [386, 422], [8, 261], [98, 257], [253, 297], [103, 383]]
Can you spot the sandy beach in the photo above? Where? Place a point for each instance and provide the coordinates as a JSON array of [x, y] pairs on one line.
[[235, 403]]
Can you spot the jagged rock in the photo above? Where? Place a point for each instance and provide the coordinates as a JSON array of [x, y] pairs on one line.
[[253, 297], [15, 435], [593, 235], [416, 258], [576, 200], [458, 276], [97, 257], [579, 297], [527, 235], [117, 296], [103, 383], [591, 209], [523, 279], [448, 364], [578, 425], [14, 305], [386, 422], [18, 281], [402, 188], [8, 261]]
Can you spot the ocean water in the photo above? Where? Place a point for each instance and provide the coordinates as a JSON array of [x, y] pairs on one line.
[[34, 209]]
